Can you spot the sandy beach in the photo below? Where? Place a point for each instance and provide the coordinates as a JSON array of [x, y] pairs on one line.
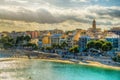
[[87, 63]]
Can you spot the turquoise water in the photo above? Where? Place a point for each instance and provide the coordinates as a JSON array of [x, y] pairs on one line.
[[40, 70]]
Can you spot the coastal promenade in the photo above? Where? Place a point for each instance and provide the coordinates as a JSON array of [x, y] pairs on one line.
[[102, 62]]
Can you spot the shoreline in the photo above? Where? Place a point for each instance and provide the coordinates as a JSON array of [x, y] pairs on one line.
[[89, 63]]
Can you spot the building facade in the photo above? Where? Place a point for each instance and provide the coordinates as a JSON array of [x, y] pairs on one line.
[[119, 43], [55, 39], [114, 42], [46, 40], [33, 34], [70, 41], [83, 40], [114, 39], [115, 30]]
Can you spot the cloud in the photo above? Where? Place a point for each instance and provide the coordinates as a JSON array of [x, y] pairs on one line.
[[55, 15], [10, 25], [80, 0], [58, 11], [40, 16], [111, 11]]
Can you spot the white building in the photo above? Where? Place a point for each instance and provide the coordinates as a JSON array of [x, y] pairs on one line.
[[70, 41]]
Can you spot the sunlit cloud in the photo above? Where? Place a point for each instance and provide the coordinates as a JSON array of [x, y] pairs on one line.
[[60, 11]]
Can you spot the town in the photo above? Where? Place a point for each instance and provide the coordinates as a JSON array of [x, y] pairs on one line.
[[59, 39], [68, 44]]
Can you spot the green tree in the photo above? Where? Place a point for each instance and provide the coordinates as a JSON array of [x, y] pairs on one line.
[[107, 46], [71, 50], [4, 39], [23, 40], [117, 58], [42, 48], [19, 39], [27, 38], [98, 45], [33, 46], [48, 48], [74, 49], [56, 46], [102, 41], [7, 42], [8, 45], [91, 44]]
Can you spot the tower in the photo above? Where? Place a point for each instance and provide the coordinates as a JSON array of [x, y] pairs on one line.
[[94, 24], [94, 29]]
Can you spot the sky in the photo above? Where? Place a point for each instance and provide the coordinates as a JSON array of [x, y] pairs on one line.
[[62, 14]]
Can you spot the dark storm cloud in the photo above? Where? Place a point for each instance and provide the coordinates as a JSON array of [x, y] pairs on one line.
[[45, 15], [115, 13], [40, 16]]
